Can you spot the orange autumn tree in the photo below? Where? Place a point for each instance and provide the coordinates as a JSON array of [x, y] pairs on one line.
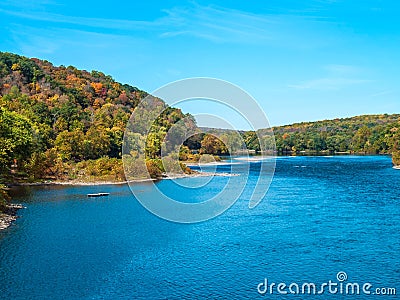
[[97, 86]]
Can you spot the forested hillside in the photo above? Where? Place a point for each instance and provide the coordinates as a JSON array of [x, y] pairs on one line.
[[369, 134], [65, 123]]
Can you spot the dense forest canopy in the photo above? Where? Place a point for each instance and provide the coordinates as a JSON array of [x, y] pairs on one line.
[[369, 134], [65, 123]]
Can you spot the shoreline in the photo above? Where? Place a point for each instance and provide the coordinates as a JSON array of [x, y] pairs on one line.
[[80, 183], [8, 217], [214, 163], [198, 174], [109, 182]]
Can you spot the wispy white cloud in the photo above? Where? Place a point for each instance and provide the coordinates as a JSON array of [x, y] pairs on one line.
[[217, 24], [381, 93], [342, 69], [29, 4], [82, 21], [50, 40], [328, 83], [337, 76], [221, 24]]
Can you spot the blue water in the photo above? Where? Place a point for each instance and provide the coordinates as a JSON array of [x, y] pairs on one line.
[[321, 215]]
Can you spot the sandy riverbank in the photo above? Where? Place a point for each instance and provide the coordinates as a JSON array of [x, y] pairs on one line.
[[254, 158], [214, 163], [198, 174], [80, 182]]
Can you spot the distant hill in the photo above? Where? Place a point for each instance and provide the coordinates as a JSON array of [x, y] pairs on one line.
[[367, 134], [373, 134]]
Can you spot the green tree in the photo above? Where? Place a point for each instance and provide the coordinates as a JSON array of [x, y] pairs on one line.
[[251, 140], [361, 138], [15, 138], [96, 143], [212, 145], [71, 145], [153, 145]]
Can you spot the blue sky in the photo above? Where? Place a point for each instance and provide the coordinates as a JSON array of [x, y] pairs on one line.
[[301, 60]]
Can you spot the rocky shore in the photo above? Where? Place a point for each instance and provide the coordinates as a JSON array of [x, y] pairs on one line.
[[10, 215]]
